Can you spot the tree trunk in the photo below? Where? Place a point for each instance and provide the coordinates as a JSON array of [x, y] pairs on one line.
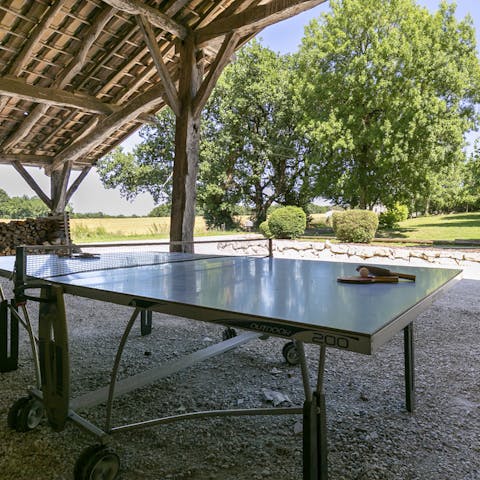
[[187, 148]]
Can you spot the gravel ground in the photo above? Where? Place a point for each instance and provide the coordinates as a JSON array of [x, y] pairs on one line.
[[370, 434]]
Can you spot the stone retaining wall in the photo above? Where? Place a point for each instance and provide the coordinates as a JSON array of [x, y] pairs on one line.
[[355, 253]]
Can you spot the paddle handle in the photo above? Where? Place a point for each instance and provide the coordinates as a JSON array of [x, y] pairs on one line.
[[406, 276]]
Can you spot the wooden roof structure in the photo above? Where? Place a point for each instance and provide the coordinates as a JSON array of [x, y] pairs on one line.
[[77, 77]]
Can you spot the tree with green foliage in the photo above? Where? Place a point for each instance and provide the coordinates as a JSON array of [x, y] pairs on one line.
[[148, 168], [162, 210], [21, 207], [389, 91], [253, 150]]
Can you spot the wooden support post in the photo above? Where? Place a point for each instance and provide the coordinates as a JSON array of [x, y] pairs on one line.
[[59, 183], [187, 148]]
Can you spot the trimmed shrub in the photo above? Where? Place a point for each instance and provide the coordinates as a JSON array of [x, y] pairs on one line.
[[395, 214], [357, 226], [265, 230], [287, 222]]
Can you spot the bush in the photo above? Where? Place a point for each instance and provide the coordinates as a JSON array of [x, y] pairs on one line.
[[395, 214], [265, 230], [357, 226], [287, 222]]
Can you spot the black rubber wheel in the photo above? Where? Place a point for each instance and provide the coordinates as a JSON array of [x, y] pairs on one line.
[[290, 353], [30, 415], [25, 414], [229, 333], [97, 462], [14, 411]]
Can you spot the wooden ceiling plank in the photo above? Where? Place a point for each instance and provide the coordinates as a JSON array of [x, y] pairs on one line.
[[33, 40], [154, 16], [175, 7], [254, 19], [223, 58], [170, 89], [17, 165]]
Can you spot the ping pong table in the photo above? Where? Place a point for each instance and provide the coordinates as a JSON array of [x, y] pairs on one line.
[[298, 300]]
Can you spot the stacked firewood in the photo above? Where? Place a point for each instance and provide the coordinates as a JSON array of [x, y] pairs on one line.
[[33, 231]]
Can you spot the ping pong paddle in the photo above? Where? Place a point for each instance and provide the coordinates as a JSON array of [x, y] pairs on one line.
[[385, 272], [376, 279]]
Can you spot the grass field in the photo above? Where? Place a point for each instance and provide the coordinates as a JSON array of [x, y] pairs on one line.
[[464, 226], [141, 228], [436, 228]]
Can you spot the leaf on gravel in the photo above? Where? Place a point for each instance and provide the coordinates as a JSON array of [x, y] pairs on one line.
[[275, 397]]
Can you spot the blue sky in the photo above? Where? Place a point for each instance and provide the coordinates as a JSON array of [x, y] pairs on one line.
[[283, 37]]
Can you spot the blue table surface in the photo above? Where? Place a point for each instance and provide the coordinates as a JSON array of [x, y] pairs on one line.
[[302, 291]]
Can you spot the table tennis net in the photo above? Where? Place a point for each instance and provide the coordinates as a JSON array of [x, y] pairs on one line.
[[57, 261]]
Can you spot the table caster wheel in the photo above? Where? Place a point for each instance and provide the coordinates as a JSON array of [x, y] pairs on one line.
[[25, 414], [97, 462], [290, 353], [229, 333]]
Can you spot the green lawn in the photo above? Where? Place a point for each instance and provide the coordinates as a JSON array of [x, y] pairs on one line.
[[463, 226]]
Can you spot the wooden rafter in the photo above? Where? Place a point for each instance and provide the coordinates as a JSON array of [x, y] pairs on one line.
[[253, 19], [74, 186], [140, 104], [170, 89], [155, 17], [223, 57]]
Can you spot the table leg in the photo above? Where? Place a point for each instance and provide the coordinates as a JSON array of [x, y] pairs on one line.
[[54, 356], [315, 449], [145, 322], [408, 343], [8, 338]]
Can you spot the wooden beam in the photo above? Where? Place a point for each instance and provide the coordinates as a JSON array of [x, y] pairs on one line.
[[140, 104], [38, 161], [253, 19], [154, 16], [187, 147], [73, 187], [170, 90], [32, 183], [26, 160], [59, 184], [53, 96], [221, 61]]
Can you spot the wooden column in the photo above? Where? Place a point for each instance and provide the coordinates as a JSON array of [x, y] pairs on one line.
[[187, 149], [58, 185]]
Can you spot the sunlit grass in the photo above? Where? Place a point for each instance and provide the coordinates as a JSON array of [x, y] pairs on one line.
[[455, 226], [87, 230]]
